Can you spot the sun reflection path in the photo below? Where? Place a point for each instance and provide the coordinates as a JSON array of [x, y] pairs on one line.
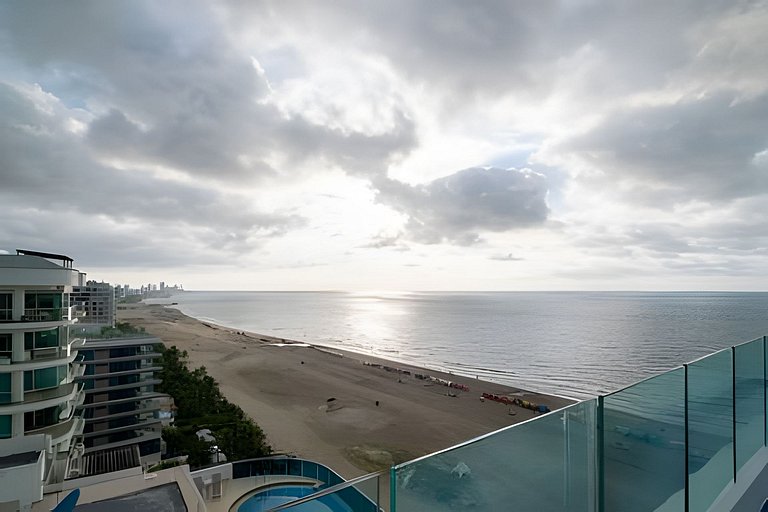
[[377, 321]]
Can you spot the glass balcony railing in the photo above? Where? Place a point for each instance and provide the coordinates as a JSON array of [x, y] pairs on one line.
[[44, 315], [518, 464], [672, 442]]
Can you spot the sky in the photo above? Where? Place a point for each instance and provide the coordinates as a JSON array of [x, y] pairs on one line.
[[398, 145]]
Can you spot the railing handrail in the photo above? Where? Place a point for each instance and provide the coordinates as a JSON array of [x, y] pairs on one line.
[[331, 490]]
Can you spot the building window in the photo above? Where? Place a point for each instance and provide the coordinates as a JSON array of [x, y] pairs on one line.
[[34, 420], [5, 388], [44, 377], [6, 345], [42, 306], [5, 426], [41, 339], [6, 306]]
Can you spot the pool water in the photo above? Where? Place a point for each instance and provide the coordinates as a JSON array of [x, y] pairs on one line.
[[275, 496]]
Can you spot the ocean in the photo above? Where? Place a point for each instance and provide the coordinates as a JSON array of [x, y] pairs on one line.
[[573, 344]]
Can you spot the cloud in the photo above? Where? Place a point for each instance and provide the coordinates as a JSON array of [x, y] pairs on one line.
[[167, 87], [457, 208], [472, 49], [706, 148], [47, 172], [172, 133], [505, 257]]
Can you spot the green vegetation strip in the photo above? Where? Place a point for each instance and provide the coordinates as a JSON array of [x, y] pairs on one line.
[[200, 404]]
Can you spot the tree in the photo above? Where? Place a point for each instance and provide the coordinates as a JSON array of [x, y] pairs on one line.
[[200, 404]]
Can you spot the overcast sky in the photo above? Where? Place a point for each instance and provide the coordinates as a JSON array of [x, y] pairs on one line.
[[402, 145]]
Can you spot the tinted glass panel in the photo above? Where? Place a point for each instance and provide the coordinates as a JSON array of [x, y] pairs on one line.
[[710, 428], [5, 426], [750, 400], [542, 465], [644, 445]]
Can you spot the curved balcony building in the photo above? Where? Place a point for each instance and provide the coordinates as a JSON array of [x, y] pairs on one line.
[[38, 389]]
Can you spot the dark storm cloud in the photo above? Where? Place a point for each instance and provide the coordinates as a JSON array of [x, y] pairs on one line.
[[457, 208]]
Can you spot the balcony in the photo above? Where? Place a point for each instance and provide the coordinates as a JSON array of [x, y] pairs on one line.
[[60, 431], [39, 315], [47, 394], [144, 424], [44, 315]]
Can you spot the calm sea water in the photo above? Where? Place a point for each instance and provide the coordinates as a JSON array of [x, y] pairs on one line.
[[575, 344]]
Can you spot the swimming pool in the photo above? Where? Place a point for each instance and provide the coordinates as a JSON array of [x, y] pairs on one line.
[[275, 496]]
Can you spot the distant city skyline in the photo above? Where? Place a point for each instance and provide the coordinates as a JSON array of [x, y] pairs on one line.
[[400, 145]]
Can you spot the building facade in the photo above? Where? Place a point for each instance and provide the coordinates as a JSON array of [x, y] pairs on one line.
[[121, 407], [95, 303], [39, 388]]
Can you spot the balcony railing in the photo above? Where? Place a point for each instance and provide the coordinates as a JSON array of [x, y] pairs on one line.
[[40, 315], [44, 315], [53, 392], [333, 493], [675, 441]]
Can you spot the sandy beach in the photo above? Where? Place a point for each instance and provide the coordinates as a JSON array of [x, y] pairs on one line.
[[376, 417]]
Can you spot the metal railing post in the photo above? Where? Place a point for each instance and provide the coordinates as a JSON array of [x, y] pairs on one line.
[[733, 408], [687, 440], [600, 455]]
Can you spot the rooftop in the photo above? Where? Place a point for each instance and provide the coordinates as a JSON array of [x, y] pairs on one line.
[[161, 498], [18, 261]]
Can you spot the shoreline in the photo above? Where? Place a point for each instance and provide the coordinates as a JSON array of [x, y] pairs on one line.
[[326, 404], [352, 353]]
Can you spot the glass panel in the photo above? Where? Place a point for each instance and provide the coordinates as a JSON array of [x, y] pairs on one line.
[[46, 378], [44, 301], [362, 496], [241, 469], [309, 469], [279, 467], [5, 382], [5, 426], [45, 339], [644, 445], [334, 479], [294, 467], [710, 428], [6, 343], [544, 464], [322, 475], [28, 381], [750, 400], [5, 388]]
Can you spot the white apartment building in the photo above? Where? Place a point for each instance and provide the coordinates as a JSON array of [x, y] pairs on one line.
[[39, 429]]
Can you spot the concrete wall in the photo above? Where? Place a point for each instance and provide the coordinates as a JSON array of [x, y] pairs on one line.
[[39, 277], [23, 484]]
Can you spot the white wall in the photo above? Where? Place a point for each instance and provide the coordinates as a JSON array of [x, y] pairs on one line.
[[23, 483]]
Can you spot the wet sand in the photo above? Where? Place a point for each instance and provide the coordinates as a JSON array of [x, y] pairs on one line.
[[286, 389]]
